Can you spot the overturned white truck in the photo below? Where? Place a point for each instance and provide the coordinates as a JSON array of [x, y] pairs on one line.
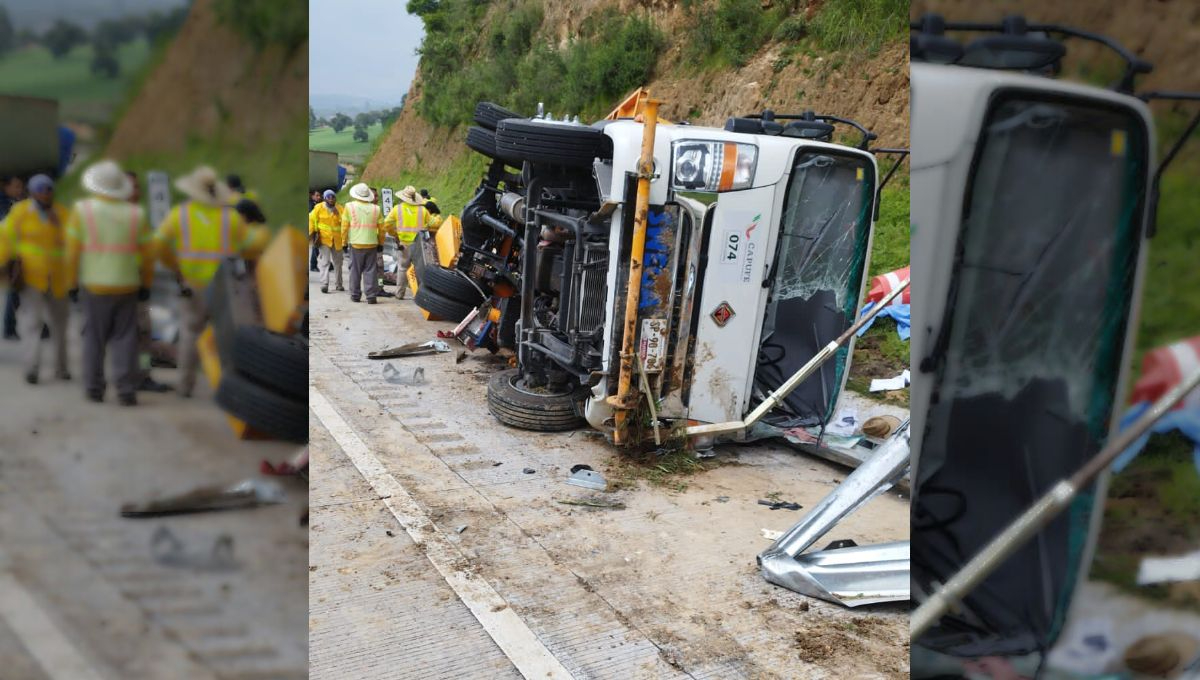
[[655, 276]]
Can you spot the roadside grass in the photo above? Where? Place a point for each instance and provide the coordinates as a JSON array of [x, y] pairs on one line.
[[82, 97], [277, 172], [669, 471], [860, 27], [343, 144], [453, 188]]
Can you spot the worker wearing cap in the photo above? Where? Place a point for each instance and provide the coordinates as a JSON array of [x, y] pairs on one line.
[[193, 240], [32, 238], [325, 231], [361, 224], [408, 217], [110, 256]]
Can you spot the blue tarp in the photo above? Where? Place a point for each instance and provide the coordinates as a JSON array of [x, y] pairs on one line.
[[66, 146], [901, 313], [1186, 420], [341, 177]]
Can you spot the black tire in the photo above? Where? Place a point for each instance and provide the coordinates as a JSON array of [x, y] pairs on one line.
[[277, 362], [441, 306], [552, 143], [489, 115], [263, 410], [451, 284], [484, 141], [526, 410], [233, 303]]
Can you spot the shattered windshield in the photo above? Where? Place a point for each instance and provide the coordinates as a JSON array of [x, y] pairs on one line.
[[825, 225], [1028, 356]]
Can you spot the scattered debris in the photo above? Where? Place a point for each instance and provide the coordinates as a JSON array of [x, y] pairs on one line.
[[169, 551], [497, 463], [1167, 569], [462, 354], [722, 499], [529, 471], [844, 424], [298, 465], [771, 534], [247, 493], [411, 375], [779, 505], [896, 383], [611, 505], [1162, 655], [411, 350], [460, 529], [390, 533], [586, 477]]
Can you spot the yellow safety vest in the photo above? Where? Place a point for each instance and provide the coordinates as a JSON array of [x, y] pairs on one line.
[[111, 243], [39, 244], [363, 221], [328, 225], [206, 236]]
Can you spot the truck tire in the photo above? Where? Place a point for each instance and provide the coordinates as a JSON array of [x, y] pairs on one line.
[[484, 141], [440, 305], [277, 362], [552, 143], [489, 115], [527, 410], [450, 283], [262, 409]]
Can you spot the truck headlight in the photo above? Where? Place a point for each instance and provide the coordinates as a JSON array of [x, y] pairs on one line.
[[712, 166]]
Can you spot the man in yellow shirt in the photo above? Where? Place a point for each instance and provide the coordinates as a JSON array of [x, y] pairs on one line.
[[32, 238], [407, 217], [193, 240], [110, 256], [361, 223], [325, 230]]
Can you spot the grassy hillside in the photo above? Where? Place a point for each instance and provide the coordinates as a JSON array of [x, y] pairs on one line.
[[83, 98], [342, 143]]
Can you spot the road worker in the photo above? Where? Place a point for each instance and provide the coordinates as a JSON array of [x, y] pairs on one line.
[[34, 237], [325, 231], [110, 257], [145, 338], [192, 241], [12, 191], [408, 217], [361, 223]]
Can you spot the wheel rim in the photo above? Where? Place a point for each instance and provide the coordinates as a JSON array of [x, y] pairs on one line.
[[519, 385]]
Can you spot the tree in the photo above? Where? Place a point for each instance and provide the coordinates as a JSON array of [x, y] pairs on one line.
[[340, 122], [62, 37], [159, 26], [312, 118], [360, 133], [115, 32], [390, 116], [364, 120], [8, 36], [104, 59]]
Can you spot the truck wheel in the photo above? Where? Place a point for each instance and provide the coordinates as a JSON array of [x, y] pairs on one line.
[[440, 305], [450, 283], [517, 406], [277, 362], [489, 115], [552, 143], [484, 141], [262, 409]]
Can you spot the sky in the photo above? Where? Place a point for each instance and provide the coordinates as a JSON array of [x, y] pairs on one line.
[[362, 49]]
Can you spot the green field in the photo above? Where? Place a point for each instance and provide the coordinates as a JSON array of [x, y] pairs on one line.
[[342, 143], [83, 98]]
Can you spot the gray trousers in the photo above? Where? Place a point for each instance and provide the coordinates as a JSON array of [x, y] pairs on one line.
[[403, 260], [39, 308], [111, 322], [330, 259], [363, 272], [193, 317]]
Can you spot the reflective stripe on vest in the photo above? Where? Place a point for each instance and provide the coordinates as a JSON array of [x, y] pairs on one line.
[[94, 245], [187, 252], [362, 232]]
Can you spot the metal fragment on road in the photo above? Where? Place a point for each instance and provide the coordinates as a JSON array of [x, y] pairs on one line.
[[412, 349], [410, 375], [586, 477]]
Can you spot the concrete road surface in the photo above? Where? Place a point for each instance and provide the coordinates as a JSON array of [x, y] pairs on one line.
[[442, 546], [82, 596]]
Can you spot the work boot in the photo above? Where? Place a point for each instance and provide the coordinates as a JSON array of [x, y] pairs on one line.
[[127, 399], [371, 301], [149, 384], [31, 378], [384, 293], [354, 299], [324, 289], [63, 374], [341, 288], [12, 335], [95, 395]]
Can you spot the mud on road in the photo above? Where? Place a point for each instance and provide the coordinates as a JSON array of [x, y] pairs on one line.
[[662, 584]]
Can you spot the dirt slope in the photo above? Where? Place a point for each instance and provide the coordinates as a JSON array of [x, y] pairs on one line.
[[214, 84], [872, 90]]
